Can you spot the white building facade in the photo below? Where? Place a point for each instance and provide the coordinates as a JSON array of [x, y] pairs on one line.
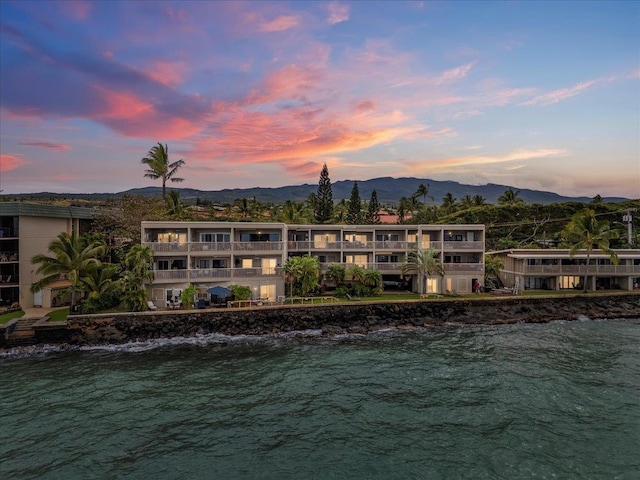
[[208, 254]]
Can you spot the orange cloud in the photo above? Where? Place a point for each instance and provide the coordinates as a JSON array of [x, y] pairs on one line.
[[10, 162], [479, 160]]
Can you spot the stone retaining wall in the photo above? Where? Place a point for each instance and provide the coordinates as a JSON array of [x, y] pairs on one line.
[[353, 317]]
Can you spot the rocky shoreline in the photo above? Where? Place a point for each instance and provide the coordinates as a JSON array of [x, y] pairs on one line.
[[358, 317]]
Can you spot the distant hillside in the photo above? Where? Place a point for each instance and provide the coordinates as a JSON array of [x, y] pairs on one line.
[[389, 191]]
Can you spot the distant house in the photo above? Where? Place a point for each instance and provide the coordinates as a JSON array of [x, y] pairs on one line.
[[555, 269]]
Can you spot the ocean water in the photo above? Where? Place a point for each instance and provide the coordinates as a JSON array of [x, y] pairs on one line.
[[553, 401]]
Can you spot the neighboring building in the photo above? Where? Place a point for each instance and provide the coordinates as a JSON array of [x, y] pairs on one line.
[[208, 254], [555, 269], [27, 229]]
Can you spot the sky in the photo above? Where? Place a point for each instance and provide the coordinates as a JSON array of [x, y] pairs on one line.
[[542, 94]]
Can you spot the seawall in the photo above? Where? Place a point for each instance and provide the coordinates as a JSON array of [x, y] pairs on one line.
[[354, 317]]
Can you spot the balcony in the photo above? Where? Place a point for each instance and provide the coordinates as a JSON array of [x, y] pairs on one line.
[[257, 246], [461, 245], [159, 247], [612, 270], [463, 267], [195, 247], [212, 274], [6, 257]]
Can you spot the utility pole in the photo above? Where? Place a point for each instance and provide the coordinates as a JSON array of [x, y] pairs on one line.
[[628, 219]]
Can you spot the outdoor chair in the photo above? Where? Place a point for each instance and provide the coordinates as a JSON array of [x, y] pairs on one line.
[[151, 305]]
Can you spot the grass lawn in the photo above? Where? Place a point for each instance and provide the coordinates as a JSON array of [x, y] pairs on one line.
[[59, 315], [6, 317]]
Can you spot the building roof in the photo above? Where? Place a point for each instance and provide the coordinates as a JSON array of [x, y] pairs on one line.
[[553, 253], [21, 209]]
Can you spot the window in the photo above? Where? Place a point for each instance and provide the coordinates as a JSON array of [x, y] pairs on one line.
[[387, 237], [215, 237], [204, 263], [259, 237], [387, 258], [162, 264]]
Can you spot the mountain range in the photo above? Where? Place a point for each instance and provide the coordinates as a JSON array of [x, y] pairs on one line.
[[389, 191]]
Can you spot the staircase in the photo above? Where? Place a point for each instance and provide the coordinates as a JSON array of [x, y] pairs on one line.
[[23, 334]]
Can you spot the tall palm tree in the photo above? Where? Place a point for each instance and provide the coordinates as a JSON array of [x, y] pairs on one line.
[[72, 256], [586, 232], [448, 203], [479, 200], [510, 197], [423, 264], [159, 167], [423, 191]]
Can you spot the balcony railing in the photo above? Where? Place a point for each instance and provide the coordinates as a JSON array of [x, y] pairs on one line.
[[161, 247], [8, 256], [257, 246], [463, 267], [581, 269], [208, 274], [210, 247], [462, 245]]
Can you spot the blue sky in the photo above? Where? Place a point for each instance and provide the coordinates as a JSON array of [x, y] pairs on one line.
[[542, 95]]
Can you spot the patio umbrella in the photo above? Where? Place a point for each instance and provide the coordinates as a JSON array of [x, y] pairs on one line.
[[219, 291]]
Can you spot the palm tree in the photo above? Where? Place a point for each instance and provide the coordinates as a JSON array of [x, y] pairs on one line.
[[492, 267], [73, 257], [423, 191], [101, 287], [448, 203], [423, 264], [510, 197], [466, 202], [138, 264], [159, 167], [336, 273], [294, 213], [479, 200], [355, 273], [586, 232], [302, 274]]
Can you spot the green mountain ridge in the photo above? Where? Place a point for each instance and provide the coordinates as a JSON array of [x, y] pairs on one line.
[[388, 189]]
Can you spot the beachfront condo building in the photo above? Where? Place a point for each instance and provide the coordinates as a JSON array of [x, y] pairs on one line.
[[27, 229], [555, 269], [209, 254]]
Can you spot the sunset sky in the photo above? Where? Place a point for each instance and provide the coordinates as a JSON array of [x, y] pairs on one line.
[[542, 95]]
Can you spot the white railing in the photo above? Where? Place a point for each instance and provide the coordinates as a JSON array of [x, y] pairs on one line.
[[161, 247], [582, 269], [463, 267]]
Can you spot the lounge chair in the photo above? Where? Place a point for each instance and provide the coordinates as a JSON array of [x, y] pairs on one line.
[[352, 298], [151, 305]]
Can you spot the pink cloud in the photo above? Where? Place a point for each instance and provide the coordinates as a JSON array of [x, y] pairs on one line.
[[78, 9], [454, 74], [65, 177], [47, 145], [337, 13], [131, 116], [10, 162], [167, 73], [556, 96], [281, 23]]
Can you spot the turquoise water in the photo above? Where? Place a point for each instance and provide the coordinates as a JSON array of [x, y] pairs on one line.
[[559, 400]]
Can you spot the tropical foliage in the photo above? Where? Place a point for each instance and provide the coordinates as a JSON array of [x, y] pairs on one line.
[[423, 264], [301, 274], [157, 161], [72, 257], [586, 232]]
